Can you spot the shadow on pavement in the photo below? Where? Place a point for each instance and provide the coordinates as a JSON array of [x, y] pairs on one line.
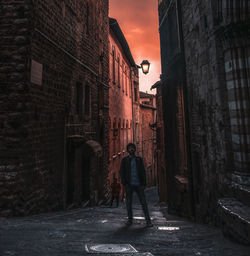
[[132, 230]]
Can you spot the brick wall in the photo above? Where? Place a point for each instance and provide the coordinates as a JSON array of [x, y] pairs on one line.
[[120, 102], [50, 47], [147, 146], [15, 106]]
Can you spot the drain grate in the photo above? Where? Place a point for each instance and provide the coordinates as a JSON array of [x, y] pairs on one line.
[[110, 248]]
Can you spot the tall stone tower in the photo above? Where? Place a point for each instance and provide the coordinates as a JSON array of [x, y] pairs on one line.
[[54, 72]]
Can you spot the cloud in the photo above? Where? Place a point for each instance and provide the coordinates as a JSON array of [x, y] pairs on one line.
[[138, 20], [137, 31]]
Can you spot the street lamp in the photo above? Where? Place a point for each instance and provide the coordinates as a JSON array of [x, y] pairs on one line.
[[145, 66]]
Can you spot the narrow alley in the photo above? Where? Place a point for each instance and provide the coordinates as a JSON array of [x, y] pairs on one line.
[[103, 98], [80, 231]]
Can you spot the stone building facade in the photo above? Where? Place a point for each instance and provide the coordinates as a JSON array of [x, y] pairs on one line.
[[160, 145], [205, 76], [123, 83], [131, 112], [147, 139], [54, 104], [173, 85]]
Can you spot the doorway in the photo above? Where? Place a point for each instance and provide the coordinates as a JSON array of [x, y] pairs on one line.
[[85, 188]]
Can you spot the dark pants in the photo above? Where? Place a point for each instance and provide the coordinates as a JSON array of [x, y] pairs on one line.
[[117, 200], [129, 198]]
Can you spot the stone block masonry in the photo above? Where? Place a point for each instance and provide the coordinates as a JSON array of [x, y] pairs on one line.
[[212, 47], [48, 48]]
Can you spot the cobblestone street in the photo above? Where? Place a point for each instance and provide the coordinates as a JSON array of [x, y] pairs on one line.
[[69, 233]]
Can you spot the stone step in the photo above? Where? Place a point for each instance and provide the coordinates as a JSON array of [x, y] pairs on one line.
[[241, 192], [235, 219]]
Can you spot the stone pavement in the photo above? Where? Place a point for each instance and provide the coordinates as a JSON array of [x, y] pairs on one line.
[[71, 232]]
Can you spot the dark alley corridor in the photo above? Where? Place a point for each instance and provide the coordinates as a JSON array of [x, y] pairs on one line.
[[70, 233]]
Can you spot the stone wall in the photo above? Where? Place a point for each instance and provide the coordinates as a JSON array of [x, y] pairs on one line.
[[15, 108], [147, 145], [206, 110], [53, 51], [160, 148], [173, 78], [215, 46], [216, 56]]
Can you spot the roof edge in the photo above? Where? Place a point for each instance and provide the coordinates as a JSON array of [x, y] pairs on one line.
[[114, 26]]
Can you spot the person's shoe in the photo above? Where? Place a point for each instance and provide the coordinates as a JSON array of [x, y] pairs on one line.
[[129, 222], [149, 224]]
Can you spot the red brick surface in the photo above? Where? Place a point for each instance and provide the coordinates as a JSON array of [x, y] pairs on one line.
[[120, 105], [147, 144]]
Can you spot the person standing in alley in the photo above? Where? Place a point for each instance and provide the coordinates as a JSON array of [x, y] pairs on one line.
[[115, 191], [133, 178]]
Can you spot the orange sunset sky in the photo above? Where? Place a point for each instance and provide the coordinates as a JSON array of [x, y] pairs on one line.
[[138, 20]]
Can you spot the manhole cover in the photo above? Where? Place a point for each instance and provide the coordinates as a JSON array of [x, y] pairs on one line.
[[109, 248], [126, 254]]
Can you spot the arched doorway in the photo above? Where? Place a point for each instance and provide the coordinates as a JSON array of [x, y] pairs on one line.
[[83, 176]]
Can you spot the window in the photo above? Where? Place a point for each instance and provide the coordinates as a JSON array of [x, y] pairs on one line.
[[87, 19], [114, 134], [220, 13], [127, 81], [87, 100], [123, 76], [119, 135], [63, 9], [118, 70], [135, 93], [137, 132], [79, 98], [113, 62], [101, 97]]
